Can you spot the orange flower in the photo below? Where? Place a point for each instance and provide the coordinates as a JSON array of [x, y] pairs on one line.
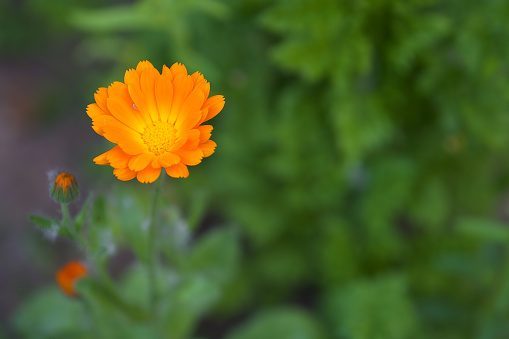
[[69, 274], [156, 121]]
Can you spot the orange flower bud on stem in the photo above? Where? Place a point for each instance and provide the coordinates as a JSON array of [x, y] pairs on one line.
[[64, 188]]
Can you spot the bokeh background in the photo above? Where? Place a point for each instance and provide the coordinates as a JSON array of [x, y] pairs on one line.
[[362, 156]]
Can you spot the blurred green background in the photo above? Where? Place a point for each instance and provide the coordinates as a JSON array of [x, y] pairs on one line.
[[362, 154]]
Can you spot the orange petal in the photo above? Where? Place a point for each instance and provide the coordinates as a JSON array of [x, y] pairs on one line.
[[124, 174], [190, 158], [101, 159], [178, 144], [166, 72], [155, 163], [100, 97], [119, 89], [98, 130], [164, 96], [128, 139], [118, 158], [126, 113], [205, 132], [191, 105], [143, 65], [208, 148], [98, 123], [168, 159], [182, 86], [94, 110], [200, 82], [132, 76], [214, 104], [177, 69], [178, 171], [139, 102], [148, 175], [140, 161], [147, 84], [193, 139], [190, 120]]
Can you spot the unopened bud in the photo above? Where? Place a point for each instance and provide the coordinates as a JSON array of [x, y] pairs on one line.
[[64, 188]]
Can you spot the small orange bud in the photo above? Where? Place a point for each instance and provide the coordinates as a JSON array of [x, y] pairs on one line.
[[68, 275], [64, 188]]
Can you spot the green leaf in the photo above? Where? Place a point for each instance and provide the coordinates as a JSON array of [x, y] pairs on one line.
[[44, 224], [127, 219], [378, 308], [187, 303], [213, 8], [48, 313], [134, 286], [216, 255], [197, 210], [50, 227], [98, 211], [81, 217], [112, 19], [483, 229], [108, 297], [287, 323]]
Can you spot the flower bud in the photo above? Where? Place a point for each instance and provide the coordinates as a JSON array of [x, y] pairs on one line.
[[64, 188], [68, 275]]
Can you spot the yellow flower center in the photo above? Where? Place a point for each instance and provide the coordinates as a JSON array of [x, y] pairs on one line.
[[159, 137]]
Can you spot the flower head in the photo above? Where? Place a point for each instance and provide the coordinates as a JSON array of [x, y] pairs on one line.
[[69, 274], [64, 188], [156, 121]]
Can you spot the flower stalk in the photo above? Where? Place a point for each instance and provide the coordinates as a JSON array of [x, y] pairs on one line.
[[153, 248], [68, 224]]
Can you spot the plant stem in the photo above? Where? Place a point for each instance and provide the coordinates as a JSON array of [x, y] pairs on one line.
[[68, 224], [66, 217], [152, 261]]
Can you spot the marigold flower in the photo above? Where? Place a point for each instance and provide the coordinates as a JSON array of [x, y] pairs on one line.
[[156, 121], [68, 275], [64, 188]]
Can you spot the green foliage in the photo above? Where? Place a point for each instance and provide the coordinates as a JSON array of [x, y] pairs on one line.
[[376, 309], [34, 320], [121, 308], [290, 323], [362, 153]]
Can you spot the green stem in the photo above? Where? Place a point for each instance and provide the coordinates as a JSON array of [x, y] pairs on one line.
[[68, 224], [152, 262], [66, 217]]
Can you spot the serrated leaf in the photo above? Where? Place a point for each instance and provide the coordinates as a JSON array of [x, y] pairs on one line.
[[287, 323]]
